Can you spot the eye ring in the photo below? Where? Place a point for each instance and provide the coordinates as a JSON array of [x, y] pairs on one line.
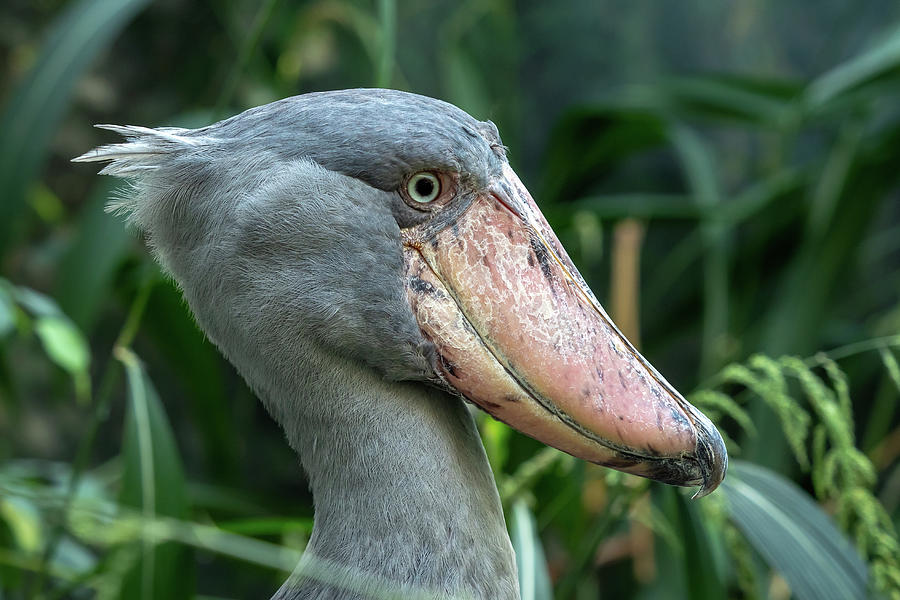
[[424, 187]]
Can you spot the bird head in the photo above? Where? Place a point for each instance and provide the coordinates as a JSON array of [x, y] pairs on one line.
[[389, 229]]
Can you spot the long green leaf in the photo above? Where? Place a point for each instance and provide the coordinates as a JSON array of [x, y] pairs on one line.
[[689, 562], [794, 535], [589, 143], [880, 59], [197, 364], [30, 118], [534, 579], [700, 565], [700, 172], [152, 481], [87, 268], [890, 366], [735, 99], [641, 206], [7, 311], [387, 20]]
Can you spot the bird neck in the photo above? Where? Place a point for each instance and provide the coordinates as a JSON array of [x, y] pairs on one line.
[[402, 489]]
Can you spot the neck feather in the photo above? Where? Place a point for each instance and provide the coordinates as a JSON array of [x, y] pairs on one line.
[[402, 488]]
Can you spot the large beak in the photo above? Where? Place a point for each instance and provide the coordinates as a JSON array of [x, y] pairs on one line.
[[519, 333]]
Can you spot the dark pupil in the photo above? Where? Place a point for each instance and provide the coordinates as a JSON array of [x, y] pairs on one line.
[[424, 187]]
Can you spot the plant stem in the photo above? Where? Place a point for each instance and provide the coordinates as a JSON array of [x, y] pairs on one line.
[[854, 348]]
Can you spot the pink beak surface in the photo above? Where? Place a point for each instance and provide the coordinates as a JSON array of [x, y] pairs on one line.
[[519, 333]]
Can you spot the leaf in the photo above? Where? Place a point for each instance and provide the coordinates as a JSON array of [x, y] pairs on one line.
[[387, 19], [23, 520], [7, 312], [534, 578], [736, 99], [701, 175], [689, 561], [73, 557], [589, 144], [198, 365], [755, 198], [641, 206], [152, 481], [267, 526], [878, 60], [36, 303], [86, 270], [495, 436], [703, 578], [31, 118], [64, 344], [67, 347], [757, 102], [890, 366], [793, 535], [465, 85]]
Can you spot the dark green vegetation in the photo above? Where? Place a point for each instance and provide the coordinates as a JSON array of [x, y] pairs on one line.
[[741, 161]]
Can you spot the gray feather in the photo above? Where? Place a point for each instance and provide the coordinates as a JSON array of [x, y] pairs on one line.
[[282, 227]]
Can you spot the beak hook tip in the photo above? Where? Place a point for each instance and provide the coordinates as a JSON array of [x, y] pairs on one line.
[[713, 461]]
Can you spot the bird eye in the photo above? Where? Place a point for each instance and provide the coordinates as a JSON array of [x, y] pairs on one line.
[[423, 187]]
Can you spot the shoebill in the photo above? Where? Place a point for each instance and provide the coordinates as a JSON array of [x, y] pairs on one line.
[[370, 263]]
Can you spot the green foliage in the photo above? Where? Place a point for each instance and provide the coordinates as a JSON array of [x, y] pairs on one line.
[[842, 475], [63, 343], [794, 535], [767, 182], [534, 580], [32, 115], [152, 481]]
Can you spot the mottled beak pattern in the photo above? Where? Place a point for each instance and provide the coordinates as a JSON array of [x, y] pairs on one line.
[[519, 333]]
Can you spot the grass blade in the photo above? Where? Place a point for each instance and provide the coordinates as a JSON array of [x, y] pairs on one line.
[[878, 60], [890, 366], [688, 562], [641, 206], [152, 481], [534, 578], [728, 98]]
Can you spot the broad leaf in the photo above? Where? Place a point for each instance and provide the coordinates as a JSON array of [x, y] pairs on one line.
[[792, 533]]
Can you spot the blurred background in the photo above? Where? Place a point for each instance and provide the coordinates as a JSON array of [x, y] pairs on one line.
[[726, 175]]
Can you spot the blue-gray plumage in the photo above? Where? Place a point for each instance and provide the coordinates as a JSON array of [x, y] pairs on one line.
[[352, 302]]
